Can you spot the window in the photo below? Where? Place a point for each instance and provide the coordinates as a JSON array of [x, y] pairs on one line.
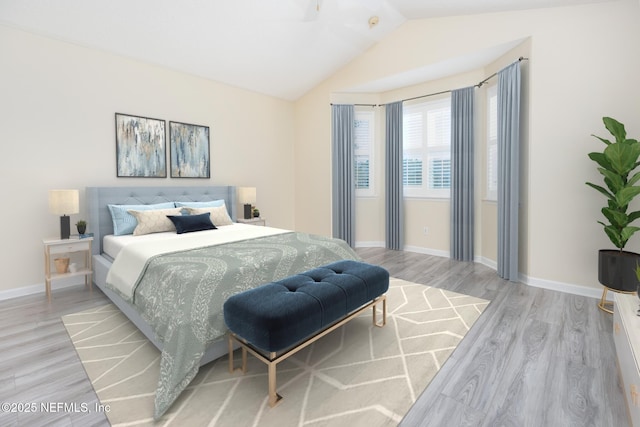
[[363, 152], [492, 143], [426, 143]]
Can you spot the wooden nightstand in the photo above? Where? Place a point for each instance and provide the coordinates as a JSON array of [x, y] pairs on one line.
[[56, 248], [253, 221]]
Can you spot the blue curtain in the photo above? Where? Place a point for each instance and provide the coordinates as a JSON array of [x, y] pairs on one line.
[[462, 203], [509, 84], [394, 201], [343, 190]]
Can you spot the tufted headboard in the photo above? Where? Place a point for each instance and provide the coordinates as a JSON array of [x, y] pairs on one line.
[[99, 218]]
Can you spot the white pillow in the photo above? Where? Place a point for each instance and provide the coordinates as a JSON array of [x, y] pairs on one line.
[[219, 215], [125, 223], [154, 221]]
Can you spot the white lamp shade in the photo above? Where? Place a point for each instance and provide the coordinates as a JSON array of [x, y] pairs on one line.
[[64, 202], [247, 195]]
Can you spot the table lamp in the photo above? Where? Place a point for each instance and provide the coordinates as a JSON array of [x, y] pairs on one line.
[[64, 203], [247, 196]]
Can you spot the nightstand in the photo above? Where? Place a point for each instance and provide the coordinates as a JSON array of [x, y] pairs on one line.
[[57, 248], [253, 221]]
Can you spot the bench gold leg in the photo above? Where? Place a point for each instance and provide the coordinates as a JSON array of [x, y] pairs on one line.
[[274, 397], [231, 355], [232, 367], [384, 312]]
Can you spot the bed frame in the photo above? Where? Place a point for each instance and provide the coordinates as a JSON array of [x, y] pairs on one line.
[[100, 223]]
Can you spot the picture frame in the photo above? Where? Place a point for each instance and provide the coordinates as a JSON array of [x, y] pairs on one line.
[[189, 150], [140, 147]]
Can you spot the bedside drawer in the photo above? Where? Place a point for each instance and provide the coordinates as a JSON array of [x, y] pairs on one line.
[[69, 247]]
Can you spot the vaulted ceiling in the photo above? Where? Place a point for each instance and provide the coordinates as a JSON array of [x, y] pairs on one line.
[[281, 48]]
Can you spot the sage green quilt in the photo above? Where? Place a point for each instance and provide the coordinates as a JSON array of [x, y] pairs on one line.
[[181, 294]]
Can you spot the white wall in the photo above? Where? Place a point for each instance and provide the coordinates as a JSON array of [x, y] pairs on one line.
[[583, 65], [57, 105]]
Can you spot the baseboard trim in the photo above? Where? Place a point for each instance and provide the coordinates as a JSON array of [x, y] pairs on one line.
[[40, 288], [486, 262], [370, 244], [551, 285], [569, 288], [416, 249], [427, 251]]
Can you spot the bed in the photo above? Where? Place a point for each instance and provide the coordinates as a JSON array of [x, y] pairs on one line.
[[171, 278]]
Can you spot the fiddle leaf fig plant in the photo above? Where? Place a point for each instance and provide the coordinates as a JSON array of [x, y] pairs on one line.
[[616, 163]]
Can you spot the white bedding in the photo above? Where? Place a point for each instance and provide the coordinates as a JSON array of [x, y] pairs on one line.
[[112, 245], [133, 252]]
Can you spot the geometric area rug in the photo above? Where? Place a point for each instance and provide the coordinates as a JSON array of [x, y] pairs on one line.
[[358, 375]]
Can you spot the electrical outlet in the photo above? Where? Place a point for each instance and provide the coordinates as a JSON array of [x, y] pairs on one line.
[[425, 230]]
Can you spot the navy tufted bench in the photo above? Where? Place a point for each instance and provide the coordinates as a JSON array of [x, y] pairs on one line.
[[277, 319]]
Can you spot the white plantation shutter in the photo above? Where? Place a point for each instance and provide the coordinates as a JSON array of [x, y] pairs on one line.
[[412, 172], [439, 124], [412, 132], [363, 152], [440, 173], [412, 139], [362, 171], [439, 143], [427, 148]]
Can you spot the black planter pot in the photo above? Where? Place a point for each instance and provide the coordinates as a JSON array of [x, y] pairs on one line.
[[616, 269]]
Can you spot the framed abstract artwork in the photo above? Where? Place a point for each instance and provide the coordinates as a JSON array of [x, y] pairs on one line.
[[189, 150], [140, 147]]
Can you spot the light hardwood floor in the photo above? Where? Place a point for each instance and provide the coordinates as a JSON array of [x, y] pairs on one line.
[[534, 358]]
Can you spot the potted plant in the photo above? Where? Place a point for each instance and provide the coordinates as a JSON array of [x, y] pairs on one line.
[[81, 226], [616, 267]]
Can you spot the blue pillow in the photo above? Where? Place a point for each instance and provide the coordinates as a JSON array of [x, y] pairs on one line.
[[211, 204], [190, 223], [124, 222]]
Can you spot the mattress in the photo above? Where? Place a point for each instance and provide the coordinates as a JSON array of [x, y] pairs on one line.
[[112, 245]]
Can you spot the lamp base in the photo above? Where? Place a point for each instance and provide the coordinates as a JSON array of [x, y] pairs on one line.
[[247, 211], [65, 227]]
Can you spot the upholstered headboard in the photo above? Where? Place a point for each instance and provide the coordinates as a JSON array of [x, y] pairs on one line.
[[99, 218]]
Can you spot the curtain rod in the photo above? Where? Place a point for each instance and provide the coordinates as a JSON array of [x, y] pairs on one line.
[[360, 105], [478, 85], [522, 58]]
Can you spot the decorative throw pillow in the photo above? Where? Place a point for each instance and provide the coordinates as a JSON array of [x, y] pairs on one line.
[[219, 215], [154, 221], [124, 222], [190, 223]]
